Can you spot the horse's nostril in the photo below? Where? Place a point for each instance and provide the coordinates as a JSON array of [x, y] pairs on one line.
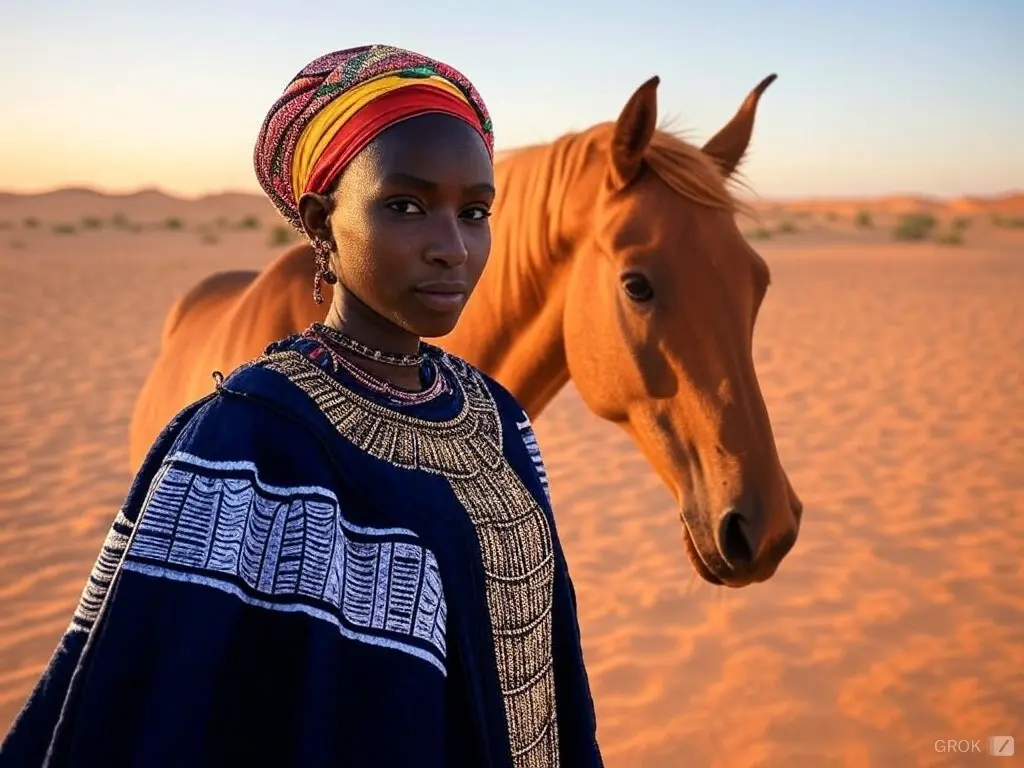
[[736, 539]]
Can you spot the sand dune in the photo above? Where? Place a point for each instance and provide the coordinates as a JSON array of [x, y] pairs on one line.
[[73, 206], [894, 377], [1009, 203]]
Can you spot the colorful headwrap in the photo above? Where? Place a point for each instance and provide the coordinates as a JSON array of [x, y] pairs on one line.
[[339, 103]]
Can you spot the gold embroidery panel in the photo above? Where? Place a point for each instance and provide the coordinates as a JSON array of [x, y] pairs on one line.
[[512, 530]]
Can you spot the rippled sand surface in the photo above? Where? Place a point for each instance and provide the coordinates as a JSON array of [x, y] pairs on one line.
[[895, 381]]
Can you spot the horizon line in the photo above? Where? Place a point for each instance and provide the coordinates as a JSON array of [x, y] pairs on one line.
[[794, 198]]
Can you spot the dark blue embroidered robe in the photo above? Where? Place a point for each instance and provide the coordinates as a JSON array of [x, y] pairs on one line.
[[304, 574]]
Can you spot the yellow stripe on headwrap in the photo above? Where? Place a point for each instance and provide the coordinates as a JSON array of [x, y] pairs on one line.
[[317, 135]]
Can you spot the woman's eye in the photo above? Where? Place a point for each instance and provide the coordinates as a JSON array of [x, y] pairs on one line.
[[477, 214], [405, 207]]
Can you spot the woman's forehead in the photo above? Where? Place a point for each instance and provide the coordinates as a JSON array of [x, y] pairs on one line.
[[432, 148], [428, 132]]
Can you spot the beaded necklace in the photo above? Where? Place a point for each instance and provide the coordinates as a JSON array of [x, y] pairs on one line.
[[344, 341], [375, 383]]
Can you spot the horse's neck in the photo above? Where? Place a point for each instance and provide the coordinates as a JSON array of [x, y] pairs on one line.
[[512, 327]]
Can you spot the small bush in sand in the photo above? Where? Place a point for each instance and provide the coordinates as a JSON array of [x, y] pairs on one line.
[[210, 239], [1008, 222], [64, 229], [761, 233], [787, 228], [961, 223], [249, 222], [31, 222], [174, 223], [281, 235], [949, 238], [91, 222], [120, 221], [914, 226], [863, 220], [221, 222]]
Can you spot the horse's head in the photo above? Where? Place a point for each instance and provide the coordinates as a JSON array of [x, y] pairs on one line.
[[659, 321]]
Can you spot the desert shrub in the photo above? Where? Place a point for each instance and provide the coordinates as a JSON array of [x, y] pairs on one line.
[[949, 238], [120, 221], [249, 222], [91, 222], [863, 219], [210, 239], [174, 223], [787, 228], [960, 223], [31, 222], [1008, 222], [914, 226], [64, 229], [761, 233]]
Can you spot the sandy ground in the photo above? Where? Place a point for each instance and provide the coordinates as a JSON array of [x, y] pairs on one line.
[[895, 381]]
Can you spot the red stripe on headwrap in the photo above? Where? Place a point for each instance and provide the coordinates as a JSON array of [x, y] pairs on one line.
[[381, 113]]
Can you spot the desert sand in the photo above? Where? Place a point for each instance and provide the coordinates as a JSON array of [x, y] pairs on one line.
[[893, 372]]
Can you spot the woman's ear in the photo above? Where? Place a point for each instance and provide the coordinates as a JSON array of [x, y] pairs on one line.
[[315, 214]]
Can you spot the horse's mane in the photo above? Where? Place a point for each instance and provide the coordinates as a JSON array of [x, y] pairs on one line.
[[684, 168], [689, 172]]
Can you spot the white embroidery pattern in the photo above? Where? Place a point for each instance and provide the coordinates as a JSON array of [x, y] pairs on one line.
[[98, 583], [284, 549], [533, 448]]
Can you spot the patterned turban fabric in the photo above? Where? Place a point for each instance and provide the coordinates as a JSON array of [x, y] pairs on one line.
[[339, 103]]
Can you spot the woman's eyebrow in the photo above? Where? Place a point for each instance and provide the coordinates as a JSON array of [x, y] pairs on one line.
[[427, 185]]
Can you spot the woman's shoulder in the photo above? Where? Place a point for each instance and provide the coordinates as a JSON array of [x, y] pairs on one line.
[[252, 422]]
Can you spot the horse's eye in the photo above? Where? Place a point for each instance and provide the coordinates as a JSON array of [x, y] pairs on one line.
[[637, 287]]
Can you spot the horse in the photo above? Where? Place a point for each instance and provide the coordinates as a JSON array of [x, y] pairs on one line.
[[616, 262]]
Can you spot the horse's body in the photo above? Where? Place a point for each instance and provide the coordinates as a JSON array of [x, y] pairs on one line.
[[616, 260]]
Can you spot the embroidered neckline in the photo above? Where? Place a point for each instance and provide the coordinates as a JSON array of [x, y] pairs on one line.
[[439, 379]]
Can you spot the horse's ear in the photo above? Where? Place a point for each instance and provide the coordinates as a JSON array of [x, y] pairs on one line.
[[729, 145], [632, 133]]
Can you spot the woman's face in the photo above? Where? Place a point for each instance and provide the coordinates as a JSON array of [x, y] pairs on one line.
[[410, 221]]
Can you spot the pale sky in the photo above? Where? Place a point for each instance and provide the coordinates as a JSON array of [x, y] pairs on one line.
[[872, 98]]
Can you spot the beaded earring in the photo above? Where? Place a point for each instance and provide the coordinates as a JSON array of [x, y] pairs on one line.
[[322, 250]]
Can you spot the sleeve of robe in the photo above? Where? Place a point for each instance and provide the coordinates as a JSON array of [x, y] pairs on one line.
[[240, 614]]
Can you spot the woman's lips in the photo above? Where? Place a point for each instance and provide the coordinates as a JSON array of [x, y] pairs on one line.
[[442, 296]]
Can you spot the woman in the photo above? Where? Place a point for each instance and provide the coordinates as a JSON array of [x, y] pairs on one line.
[[346, 554]]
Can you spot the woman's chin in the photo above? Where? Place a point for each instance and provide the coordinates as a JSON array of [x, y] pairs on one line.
[[434, 330], [435, 325]]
